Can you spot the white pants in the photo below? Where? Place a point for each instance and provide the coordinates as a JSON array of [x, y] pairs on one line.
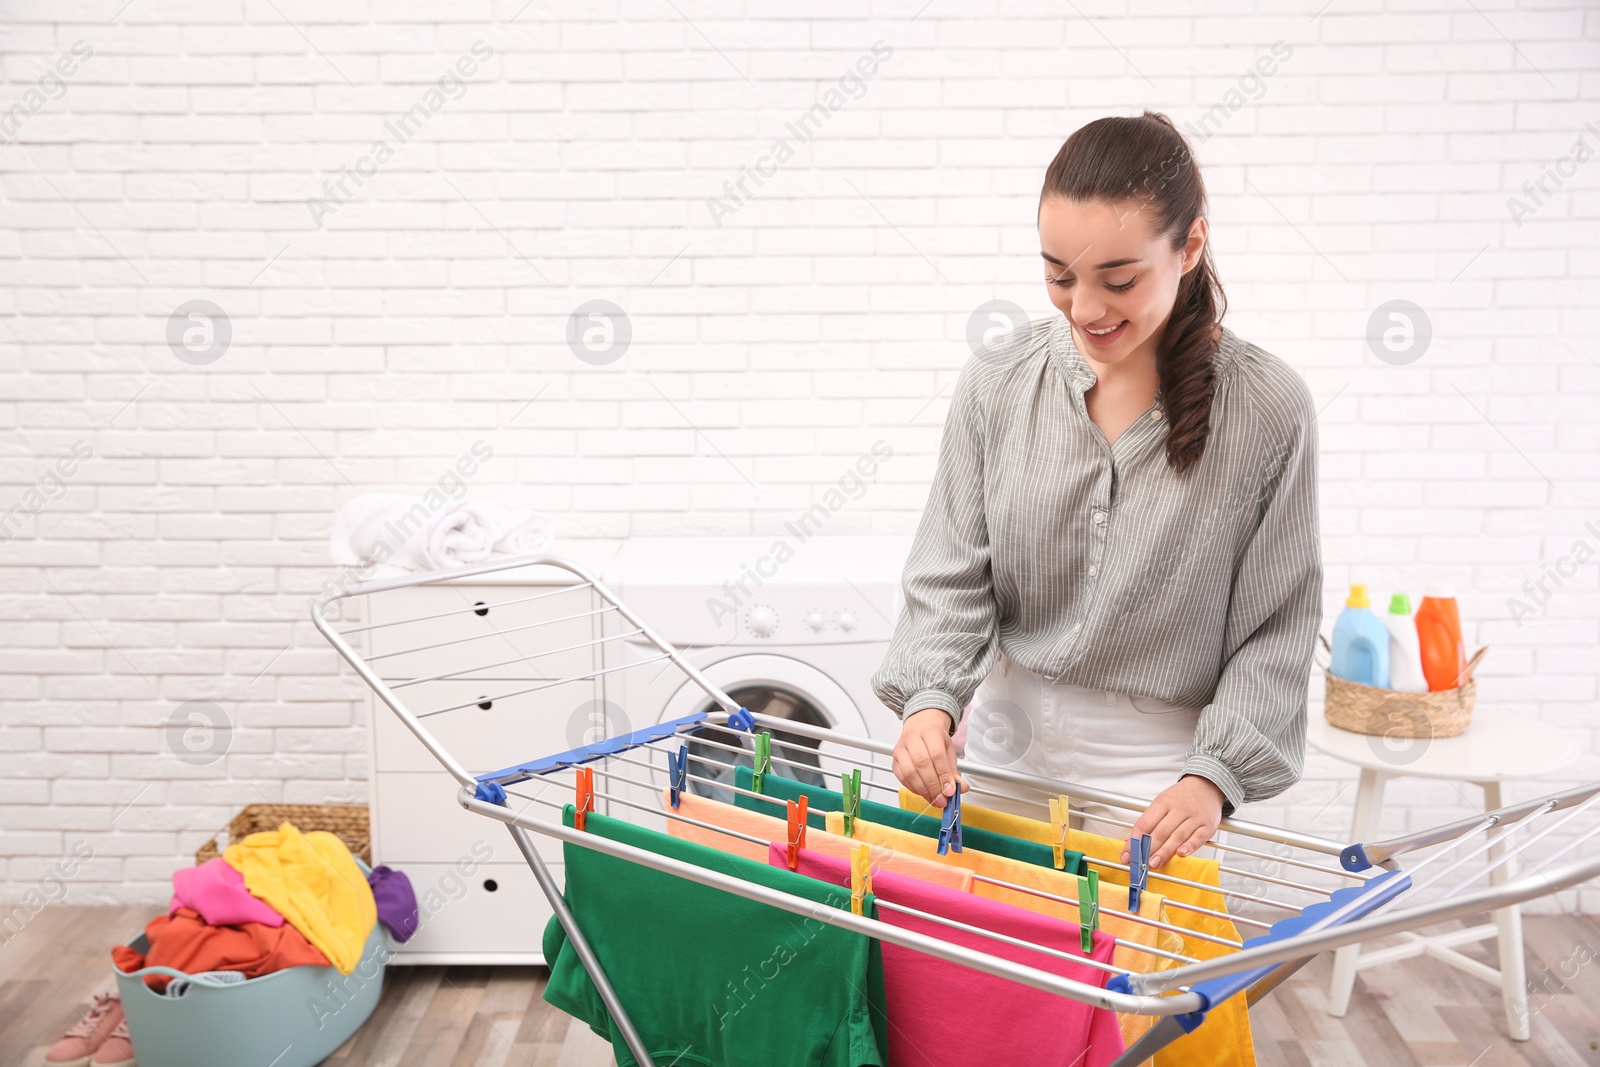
[[1023, 722]]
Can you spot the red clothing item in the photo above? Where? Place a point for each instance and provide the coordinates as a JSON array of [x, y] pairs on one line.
[[185, 941]]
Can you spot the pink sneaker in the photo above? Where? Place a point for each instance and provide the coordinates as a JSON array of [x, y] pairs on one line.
[[118, 1049], [77, 1046]]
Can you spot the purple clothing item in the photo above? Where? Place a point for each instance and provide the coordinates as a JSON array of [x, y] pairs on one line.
[[217, 892], [397, 903]]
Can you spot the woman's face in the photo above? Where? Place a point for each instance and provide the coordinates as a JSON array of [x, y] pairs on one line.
[[1103, 268]]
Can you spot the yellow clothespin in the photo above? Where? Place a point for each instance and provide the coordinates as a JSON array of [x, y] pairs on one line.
[[1058, 819], [860, 877]]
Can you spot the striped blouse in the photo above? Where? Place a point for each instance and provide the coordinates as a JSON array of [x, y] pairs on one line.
[[1097, 566]]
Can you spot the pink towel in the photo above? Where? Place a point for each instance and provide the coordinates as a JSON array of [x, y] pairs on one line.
[[216, 890], [942, 1014]]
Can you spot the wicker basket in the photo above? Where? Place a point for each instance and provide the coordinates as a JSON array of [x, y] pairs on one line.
[[348, 822], [1365, 709]]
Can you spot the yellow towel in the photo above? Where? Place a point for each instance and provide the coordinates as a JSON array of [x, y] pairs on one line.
[[1224, 1040], [314, 883], [768, 829]]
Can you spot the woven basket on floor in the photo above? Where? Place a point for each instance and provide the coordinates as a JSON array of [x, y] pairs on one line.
[[347, 822], [1365, 709]]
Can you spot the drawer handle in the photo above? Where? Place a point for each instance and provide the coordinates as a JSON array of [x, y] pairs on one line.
[[480, 608], [490, 884], [485, 703]]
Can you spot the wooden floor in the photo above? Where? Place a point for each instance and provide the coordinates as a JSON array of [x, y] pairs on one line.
[[1418, 1013]]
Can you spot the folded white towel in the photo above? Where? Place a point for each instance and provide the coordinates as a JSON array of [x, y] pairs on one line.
[[417, 538]]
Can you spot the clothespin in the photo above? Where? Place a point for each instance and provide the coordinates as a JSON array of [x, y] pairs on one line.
[[860, 876], [1058, 820], [797, 831], [678, 771], [585, 794], [850, 789], [1138, 869], [950, 823], [1089, 907], [763, 758]]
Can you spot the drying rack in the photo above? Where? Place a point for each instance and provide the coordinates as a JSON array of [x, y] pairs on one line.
[[1306, 894]]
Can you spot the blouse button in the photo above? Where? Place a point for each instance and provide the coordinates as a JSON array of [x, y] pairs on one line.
[[1155, 416], [1099, 516], [1093, 570], [1077, 626]]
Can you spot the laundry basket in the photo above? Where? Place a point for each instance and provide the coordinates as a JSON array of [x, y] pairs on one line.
[[295, 1017]]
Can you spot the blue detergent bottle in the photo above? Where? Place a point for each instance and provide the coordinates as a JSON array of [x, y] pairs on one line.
[[1361, 642]]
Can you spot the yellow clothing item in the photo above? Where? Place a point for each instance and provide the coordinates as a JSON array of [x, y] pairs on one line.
[[1224, 1040], [314, 883], [768, 829]]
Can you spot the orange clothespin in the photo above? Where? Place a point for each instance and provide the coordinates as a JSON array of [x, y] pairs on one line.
[[797, 831], [1058, 822], [860, 877], [585, 794]]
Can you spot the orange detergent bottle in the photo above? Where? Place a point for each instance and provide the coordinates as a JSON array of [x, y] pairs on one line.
[[1444, 656]]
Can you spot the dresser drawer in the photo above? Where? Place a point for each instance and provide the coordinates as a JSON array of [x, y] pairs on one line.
[[525, 631], [513, 727], [417, 820], [487, 908]]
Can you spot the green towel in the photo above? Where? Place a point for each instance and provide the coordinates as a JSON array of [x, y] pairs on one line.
[[709, 978]]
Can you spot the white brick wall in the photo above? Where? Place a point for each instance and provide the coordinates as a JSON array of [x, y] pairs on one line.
[[577, 163]]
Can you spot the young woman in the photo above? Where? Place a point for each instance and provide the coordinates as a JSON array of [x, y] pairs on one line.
[[1119, 563]]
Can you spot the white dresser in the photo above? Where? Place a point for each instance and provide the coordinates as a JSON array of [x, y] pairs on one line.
[[478, 900]]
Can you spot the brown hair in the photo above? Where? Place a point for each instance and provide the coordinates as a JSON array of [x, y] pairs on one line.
[[1145, 158]]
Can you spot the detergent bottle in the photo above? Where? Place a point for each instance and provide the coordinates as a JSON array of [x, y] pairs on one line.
[[1360, 642], [1444, 656], [1405, 651]]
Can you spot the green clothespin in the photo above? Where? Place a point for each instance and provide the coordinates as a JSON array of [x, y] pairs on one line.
[[1089, 907], [850, 787], [763, 758]]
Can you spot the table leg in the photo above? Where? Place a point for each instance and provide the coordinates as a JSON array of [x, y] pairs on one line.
[[1364, 824], [1513, 967]]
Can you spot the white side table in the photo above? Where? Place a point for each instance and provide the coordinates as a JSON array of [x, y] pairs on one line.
[[1494, 749]]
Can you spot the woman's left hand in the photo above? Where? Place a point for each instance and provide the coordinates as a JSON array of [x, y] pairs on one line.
[[1181, 819]]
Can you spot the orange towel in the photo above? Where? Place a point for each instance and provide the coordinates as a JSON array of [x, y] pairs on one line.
[[1224, 1040], [769, 829], [185, 941]]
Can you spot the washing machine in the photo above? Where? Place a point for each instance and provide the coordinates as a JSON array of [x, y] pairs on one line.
[[788, 627]]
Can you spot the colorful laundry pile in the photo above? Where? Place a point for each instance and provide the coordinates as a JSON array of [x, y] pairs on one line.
[[714, 979], [275, 899]]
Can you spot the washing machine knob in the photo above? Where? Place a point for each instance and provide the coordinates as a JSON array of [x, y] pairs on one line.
[[816, 621], [846, 621], [763, 621]]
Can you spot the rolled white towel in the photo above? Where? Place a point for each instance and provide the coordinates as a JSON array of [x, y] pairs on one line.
[[460, 532], [529, 531], [362, 524]]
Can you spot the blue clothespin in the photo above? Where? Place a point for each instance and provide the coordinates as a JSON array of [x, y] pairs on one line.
[[493, 792], [742, 720], [850, 789], [1138, 869], [950, 824], [678, 771], [763, 761]]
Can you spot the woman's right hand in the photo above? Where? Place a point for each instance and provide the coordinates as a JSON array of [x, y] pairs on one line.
[[925, 756]]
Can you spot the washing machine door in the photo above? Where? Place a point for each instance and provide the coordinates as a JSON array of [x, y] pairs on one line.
[[783, 687]]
